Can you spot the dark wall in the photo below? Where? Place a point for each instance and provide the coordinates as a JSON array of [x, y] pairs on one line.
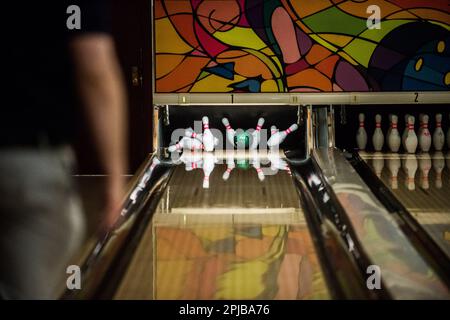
[[131, 28]]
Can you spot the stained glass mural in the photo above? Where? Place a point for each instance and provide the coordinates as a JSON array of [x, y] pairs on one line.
[[204, 46]]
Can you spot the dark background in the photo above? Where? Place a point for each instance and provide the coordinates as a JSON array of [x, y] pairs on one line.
[[131, 26]]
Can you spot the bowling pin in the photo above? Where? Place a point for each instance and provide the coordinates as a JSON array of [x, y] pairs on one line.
[[378, 165], [273, 130], [410, 143], [361, 134], [420, 125], [230, 167], [378, 137], [208, 166], [410, 167], [393, 136], [438, 166], [405, 131], [256, 135], [279, 137], [208, 138], [424, 166], [424, 135], [190, 133], [448, 133], [438, 134], [394, 165], [229, 131], [186, 143]]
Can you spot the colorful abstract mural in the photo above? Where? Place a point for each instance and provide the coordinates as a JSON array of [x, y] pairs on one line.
[[301, 46]]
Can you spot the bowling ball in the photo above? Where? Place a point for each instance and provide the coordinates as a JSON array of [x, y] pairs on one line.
[[243, 164], [241, 139]]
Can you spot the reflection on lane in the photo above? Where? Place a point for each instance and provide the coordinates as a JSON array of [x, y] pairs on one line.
[[241, 238], [422, 184]]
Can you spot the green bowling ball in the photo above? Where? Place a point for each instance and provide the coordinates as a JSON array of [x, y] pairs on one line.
[[242, 164], [241, 139]]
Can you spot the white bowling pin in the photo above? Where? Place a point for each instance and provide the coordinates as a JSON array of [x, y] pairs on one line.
[[438, 134], [229, 131], [394, 165], [393, 137], [273, 130], [256, 135], [448, 133], [378, 137], [410, 166], [424, 166], [424, 135], [208, 166], [405, 131], [378, 165], [190, 133], [279, 137], [208, 138], [438, 166], [230, 167], [411, 141], [361, 134], [186, 143]]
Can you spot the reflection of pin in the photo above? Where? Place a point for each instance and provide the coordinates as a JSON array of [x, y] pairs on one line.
[[410, 144], [230, 167], [438, 134], [424, 134], [256, 164], [405, 131], [438, 166], [208, 167], [378, 137], [378, 165], [393, 136], [425, 166], [394, 165], [361, 134], [148, 174], [279, 137], [186, 143], [230, 132], [410, 167], [276, 163], [208, 138], [194, 165]]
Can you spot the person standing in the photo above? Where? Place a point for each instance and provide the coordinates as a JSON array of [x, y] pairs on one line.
[[50, 69]]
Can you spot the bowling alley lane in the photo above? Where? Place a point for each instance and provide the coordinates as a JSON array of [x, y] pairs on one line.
[[422, 184], [241, 238]]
